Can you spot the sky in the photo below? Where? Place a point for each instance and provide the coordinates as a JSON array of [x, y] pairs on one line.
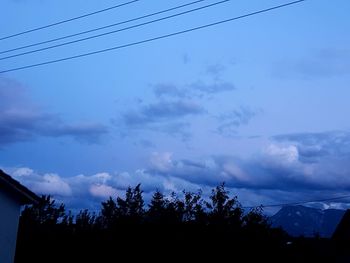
[[259, 103]]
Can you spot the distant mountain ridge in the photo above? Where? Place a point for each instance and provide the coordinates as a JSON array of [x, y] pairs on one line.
[[305, 221]]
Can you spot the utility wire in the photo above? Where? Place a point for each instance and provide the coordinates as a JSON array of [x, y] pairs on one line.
[[154, 38], [115, 31], [300, 203], [68, 20], [103, 27]]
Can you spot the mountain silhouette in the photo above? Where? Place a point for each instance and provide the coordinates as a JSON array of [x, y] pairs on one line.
[[342, 232], [306, 221]]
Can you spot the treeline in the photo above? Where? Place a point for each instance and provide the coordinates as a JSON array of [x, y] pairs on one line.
[[179, 226]]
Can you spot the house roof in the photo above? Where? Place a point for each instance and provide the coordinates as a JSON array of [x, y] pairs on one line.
[[20, 192]]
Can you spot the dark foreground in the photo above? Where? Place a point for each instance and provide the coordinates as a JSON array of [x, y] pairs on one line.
[[169, 229], [166, 243]]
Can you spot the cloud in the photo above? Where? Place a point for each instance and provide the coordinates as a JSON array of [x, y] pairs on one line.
[[171, 90], [103, 191], [83, 132], [216, 70], [281, 165], [22, 120], [278, 173], [175, 106], [213, 88], [175, 129], [205, 172], [161, 161], [52, 184], [199, 88], [164, 110], [229, 122], [313, 147], [169, 117], [18, 125], [281, 155], [88, 191], [11, 93], [77, 192], [322, 63], [48, 183], [196, 89], [186, 59], [274, 176], [146, 143], [161, 112]]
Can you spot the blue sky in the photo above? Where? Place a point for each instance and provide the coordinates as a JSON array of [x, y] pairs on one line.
[[260, 103]]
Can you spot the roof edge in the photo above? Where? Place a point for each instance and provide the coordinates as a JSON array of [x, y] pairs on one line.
[[26, 195]]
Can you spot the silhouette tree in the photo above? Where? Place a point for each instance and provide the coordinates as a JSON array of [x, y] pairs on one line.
[[135, 203], [255, 217], [108, 213], [131, 209], [45, 212], [185, 221], [175, 209], [68, 219], [224, 210], [255, 223], [84, 220], [41, 225], [193, 207], [157, 208]]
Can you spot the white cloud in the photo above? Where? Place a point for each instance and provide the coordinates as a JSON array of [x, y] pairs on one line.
[[104, 191], [161, 161], [282, 154], [233, 170], [51, 184], [22, 172]]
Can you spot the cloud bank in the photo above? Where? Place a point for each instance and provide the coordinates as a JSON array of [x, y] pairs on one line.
[[23, 120], [291, 168]]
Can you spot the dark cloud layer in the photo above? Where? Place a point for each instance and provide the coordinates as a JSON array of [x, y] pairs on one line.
[[161, 112], [282, 165], [82, 132], [315, 146], [169, 117], [22, 120]]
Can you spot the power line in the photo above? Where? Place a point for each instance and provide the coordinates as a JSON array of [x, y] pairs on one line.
[[300, 203], [115, 31], [68, 20], [152, 39], [101, 28]]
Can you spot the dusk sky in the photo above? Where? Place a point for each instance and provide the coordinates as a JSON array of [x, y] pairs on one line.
[[261, 103]]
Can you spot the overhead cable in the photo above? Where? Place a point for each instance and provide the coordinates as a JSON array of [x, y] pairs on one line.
[[101, 28], [152, 39], [114, 31], [67, 20]]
